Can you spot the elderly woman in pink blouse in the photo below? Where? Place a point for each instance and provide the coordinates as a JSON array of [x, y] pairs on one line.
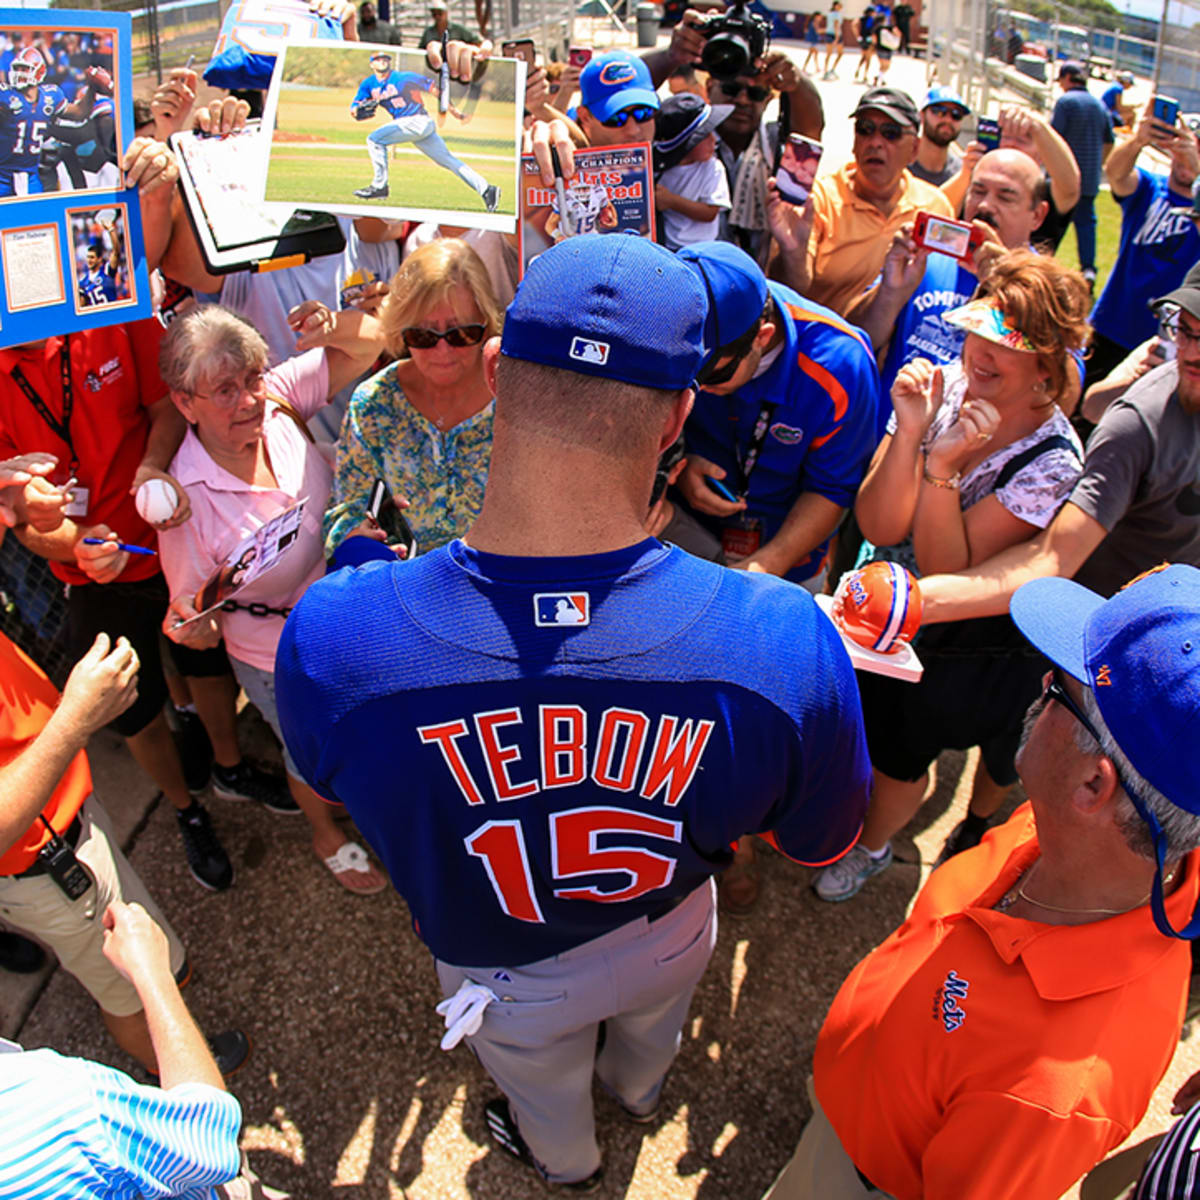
[[246, 458]]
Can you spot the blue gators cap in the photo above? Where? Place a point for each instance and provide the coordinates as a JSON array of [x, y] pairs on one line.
[[735, 286], [1139, 652], [613, 81], [611, 305], [944, 95]]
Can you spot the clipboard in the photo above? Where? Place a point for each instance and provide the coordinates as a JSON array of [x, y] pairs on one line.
[[237, 231]]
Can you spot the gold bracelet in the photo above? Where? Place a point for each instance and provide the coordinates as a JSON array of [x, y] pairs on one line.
[[951, 483]]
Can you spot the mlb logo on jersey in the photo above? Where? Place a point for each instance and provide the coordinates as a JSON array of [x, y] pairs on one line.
[[588, 351], [561, 608]]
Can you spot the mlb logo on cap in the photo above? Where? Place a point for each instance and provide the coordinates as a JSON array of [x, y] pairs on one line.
[[561, 608], [588, 351]]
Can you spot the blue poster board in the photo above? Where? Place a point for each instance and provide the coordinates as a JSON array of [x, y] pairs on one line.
[[71, 249]]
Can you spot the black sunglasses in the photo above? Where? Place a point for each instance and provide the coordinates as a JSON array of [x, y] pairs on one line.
[[714, 376], [416, 338], [636, 112], [947, 110], [891, 131], [733, 90]]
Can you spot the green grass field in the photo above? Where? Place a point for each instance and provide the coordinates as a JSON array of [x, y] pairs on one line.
[[328, 169], [1108, 239]]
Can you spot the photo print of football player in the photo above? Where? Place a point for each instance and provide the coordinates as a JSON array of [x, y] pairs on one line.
[[48, 142], [587, 207], [101, 277], [401, 96]]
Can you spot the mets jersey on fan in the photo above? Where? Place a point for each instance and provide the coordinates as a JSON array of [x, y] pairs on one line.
[[543, 749], [399, 94], [23, 125]]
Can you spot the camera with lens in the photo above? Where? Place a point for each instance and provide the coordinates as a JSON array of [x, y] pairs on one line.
[[736, 40]]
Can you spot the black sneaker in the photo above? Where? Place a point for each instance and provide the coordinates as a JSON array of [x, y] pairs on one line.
[[247, 782], [491, 197], [19, 955], [505, 1134], [230, 1049], [966, 834], [195, 750], [371, 192], [207, 861]]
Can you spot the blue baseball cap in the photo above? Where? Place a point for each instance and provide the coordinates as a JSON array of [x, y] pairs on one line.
[[735, 286], [613, 81], [944, 95], [612, 305], [1139, 652]]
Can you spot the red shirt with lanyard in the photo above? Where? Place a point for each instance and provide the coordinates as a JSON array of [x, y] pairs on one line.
[[85, 398]]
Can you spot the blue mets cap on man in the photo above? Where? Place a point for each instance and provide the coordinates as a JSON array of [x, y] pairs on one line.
[[735, 286], [1139, 653], [612, 305], [613, 81]]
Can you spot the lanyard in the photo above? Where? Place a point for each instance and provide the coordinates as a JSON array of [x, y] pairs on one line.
[[61, 428], [748, 461]]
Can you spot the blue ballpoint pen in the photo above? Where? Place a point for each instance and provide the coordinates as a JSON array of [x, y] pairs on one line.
[[120, 546]]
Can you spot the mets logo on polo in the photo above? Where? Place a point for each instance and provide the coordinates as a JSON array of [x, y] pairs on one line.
[[948, 1001]]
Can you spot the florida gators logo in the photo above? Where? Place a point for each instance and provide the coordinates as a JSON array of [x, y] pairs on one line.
[[613, 74]]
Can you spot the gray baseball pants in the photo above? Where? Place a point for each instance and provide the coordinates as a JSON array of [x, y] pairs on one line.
[[539, 1041]]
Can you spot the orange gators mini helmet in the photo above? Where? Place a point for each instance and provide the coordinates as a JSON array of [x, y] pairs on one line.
[[878, 606]]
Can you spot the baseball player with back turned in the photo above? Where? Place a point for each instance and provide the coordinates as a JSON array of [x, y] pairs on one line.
[[399, 94], [542, 730]]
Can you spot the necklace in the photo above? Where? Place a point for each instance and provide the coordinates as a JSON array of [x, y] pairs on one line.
[[1017, 892]]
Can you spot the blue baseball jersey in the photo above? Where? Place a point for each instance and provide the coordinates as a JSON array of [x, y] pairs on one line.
[[1159, 244], [541, 750], [98, 286], [23, 123], [825, 387], [398, 94]]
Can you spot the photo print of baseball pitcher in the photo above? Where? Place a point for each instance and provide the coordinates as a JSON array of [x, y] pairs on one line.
[[435, 149]]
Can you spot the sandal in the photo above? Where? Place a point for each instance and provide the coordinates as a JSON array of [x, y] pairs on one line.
[[352, 868]]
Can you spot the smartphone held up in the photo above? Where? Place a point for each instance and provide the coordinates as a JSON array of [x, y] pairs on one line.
[[798, 168]]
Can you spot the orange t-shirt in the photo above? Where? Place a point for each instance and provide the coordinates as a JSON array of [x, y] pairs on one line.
[[978, 1056], [27, 698], [850, 236]]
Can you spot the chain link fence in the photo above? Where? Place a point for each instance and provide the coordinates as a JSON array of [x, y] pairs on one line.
[[33, 609]]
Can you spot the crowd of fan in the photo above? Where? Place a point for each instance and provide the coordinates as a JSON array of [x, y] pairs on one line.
[[977, 417]]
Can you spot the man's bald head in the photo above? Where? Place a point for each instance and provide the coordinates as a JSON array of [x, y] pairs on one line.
[[1008, 192]]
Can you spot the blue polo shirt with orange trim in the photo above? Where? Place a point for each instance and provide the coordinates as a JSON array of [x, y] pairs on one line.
[[825, 390]]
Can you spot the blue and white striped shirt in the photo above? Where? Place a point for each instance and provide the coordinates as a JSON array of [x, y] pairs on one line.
[[75, 1130]]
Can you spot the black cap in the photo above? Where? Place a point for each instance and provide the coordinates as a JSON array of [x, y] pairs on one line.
[[1187, 295], [892, 102], [684, 121], [1073, 70]]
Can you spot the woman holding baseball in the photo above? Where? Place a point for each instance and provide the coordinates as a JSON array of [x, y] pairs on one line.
[[978, 457]]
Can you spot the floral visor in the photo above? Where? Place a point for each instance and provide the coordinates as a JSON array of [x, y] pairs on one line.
[[982, 317]]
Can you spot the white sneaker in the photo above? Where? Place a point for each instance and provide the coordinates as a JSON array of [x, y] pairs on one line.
[[844, 878]]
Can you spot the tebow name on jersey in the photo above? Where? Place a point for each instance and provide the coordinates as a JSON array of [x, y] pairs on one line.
[[628, 749]]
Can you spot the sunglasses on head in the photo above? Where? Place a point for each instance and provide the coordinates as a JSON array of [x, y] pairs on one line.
[[733, 90], [416, 338], [636, 112], [890, 131]]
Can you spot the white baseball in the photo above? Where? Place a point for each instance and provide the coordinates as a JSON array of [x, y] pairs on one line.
[[155, 501]]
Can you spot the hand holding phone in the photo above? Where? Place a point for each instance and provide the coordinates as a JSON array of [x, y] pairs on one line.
[[1166, 110], [579, 56], [958, 239], [798, 168], [987, 133], [523, 48], [386, 513]]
